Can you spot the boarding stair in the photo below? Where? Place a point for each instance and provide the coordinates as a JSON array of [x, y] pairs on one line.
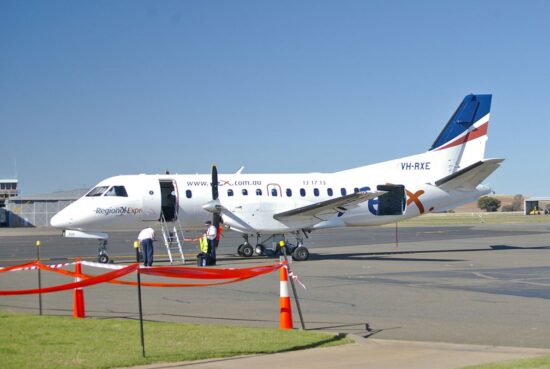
[[173, 236]]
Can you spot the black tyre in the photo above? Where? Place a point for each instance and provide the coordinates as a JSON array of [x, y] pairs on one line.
[[248, 251], [103, 258], [301, 253], [240, 250]]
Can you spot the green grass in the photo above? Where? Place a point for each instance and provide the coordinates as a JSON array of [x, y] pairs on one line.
[[28, 341], [474, 218], [536, 363]]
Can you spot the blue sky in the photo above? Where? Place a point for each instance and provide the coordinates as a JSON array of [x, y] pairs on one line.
[[91, 89]]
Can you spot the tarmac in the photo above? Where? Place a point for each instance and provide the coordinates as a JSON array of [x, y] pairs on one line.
[[369, 354], [444, 297]]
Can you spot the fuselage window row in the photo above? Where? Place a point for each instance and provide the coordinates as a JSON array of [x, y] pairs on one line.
[[274, 192]]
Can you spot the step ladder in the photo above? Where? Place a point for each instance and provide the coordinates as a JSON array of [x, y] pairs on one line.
[[171, 232]]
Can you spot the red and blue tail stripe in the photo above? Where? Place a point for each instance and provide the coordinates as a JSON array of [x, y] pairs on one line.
[[469, 122]]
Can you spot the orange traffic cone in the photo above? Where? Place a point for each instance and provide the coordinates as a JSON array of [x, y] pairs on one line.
[[78, 296], [284, 301]]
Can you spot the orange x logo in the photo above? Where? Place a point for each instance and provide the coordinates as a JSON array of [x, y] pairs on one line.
[[414, 197]]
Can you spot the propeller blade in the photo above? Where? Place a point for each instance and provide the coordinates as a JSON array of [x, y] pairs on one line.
[[214, 182], [216, 220], [215, 215]]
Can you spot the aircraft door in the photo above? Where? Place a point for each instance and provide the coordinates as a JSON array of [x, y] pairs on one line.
[[393, 202], [274, 190], [169, 199], [151, 196]]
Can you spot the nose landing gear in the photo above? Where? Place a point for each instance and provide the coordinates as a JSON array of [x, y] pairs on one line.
[[102, 256]]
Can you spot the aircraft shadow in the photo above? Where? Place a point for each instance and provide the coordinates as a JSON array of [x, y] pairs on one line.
[[387, 255]]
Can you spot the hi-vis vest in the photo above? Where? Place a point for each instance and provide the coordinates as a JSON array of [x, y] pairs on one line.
[[203, 243]]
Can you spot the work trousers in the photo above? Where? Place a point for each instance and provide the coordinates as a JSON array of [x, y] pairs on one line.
[[147, 249], [212, 250]]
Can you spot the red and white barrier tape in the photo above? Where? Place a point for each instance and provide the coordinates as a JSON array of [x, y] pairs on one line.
[[62, 265], [34, 267], [295, 279], [102, 265]]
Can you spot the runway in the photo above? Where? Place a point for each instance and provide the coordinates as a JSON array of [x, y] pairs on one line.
[[486, 284]]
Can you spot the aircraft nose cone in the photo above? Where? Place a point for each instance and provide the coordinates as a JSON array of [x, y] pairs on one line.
[[59, 220]]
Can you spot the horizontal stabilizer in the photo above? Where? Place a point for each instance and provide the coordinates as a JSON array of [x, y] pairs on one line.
[[327, 208], [470, 177]]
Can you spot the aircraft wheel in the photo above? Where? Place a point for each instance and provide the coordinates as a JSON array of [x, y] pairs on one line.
[[103, 258], [260, 249], [240, 249], [301, 253], [247, 251]]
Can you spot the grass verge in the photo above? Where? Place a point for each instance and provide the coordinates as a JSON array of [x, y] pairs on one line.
[[28, 341], [536, 363], [474, 218]]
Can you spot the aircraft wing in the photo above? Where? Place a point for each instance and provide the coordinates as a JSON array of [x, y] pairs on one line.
[[323, 209], [470, 177]]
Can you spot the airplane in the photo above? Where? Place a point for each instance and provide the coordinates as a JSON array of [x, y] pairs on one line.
[[275, 206]]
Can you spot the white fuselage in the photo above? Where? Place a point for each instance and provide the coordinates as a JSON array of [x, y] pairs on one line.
[[254, 198], [447, 175]]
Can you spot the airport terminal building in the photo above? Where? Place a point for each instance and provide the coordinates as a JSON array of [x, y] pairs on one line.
[[8, 189], [37, 210]]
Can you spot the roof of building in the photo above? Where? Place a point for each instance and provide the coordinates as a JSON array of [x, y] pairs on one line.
[[54, 196], [538, 198]]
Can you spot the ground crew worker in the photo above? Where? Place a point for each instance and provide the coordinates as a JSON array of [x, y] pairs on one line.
[[220, 230], [211, 233], [146, 238], [281, 245], [203, 244]]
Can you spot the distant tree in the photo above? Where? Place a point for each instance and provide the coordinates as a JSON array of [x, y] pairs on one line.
[[517, 203], [488, 203]]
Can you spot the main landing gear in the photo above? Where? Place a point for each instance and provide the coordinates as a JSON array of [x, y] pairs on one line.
[[298, 251]]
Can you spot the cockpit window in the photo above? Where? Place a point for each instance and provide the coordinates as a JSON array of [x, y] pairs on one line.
[[97, 191], [117, 191]]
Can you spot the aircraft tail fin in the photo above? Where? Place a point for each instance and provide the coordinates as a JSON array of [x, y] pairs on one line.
[[464, 137]]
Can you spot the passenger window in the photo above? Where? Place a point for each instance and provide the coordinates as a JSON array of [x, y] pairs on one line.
[[258, 192], [289, 192], [302, 192], [274, 192], [98, 191], [316, 192], [188, 194], [230, 192], [343, 191], [245, 192], [329, 191], [355, 190]]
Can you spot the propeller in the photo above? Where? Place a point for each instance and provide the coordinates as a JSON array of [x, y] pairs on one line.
[[214, 183], [216, 217]]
